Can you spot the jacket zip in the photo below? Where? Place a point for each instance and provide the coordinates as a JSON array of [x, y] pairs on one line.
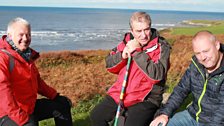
[[203, 92]]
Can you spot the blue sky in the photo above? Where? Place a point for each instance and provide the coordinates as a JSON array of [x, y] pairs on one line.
[[184, 5]]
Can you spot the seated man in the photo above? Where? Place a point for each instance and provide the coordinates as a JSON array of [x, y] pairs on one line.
[[147, 74], [204, 79], [20, 83]]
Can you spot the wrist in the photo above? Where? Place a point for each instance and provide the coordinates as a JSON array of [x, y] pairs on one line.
[[166, 117]]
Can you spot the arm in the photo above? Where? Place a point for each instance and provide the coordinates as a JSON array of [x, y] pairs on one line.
[[178, 95], [8, 103], [45, 89], [117, 58], [114, 61], [180, 92]]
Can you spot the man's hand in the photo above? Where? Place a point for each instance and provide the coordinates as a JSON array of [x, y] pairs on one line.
[[63, 100], [130, 47], [126, 53], [162, 119]]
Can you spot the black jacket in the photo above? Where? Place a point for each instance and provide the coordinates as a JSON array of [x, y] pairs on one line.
[[207, 90]]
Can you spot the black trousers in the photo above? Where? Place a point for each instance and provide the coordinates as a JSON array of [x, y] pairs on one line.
[[45, 109], [140, 114]]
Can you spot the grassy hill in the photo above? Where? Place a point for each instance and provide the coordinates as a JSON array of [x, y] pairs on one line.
[[82, 76]]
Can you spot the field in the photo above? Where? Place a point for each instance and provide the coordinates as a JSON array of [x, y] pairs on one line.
[[81, 75]]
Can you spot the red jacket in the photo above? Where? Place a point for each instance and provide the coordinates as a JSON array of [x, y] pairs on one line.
[[19, 88], [149, 67]]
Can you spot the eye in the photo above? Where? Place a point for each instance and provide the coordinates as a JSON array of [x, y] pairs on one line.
[[206, 51], [197, 53], [28, 35], [138, 31], [20, 35]]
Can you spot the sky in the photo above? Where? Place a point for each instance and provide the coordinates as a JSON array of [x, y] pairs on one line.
[[182, 5]]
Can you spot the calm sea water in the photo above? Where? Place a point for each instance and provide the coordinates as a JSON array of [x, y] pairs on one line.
[[84, 28]]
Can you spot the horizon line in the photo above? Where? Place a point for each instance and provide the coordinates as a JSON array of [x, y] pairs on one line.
[[113, 8]]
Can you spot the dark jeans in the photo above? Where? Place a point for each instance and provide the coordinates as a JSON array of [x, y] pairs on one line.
[[140, 114], [45, 109]]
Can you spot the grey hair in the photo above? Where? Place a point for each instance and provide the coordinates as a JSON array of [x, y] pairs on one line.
[[140, 17], [16, 20]]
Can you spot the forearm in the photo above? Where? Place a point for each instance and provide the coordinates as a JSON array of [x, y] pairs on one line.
[[115, 62], [180, 92], [46, 90]]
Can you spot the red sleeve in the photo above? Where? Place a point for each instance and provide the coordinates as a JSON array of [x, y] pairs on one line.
[[7, 102], [46, 90]]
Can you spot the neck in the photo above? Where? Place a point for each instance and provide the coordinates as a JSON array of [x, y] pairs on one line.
[[217, 65]]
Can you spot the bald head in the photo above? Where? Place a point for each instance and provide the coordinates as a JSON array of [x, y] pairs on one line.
[[206, 49], [202, 35]]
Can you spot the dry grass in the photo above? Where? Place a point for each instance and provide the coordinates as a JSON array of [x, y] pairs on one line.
[[80, 75]]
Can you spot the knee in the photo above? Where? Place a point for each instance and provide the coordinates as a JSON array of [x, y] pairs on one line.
[[66, 102], [94, 114]]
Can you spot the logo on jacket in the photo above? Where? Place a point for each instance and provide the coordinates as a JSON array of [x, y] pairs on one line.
[[152, 48]]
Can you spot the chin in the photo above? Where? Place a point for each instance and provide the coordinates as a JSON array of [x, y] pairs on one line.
[[144, 43], [22, 49]]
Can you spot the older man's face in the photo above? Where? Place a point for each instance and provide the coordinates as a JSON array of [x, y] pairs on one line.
[[141, 32], [21, 36]]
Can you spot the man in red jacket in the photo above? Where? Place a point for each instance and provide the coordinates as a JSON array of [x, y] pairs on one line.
[[147, 74], [20, 83]]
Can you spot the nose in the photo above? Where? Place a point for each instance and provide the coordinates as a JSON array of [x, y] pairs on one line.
[[202, 56], [143, 34], [25, 37]]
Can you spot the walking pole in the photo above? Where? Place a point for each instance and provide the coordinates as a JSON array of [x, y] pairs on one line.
[[122, 92]]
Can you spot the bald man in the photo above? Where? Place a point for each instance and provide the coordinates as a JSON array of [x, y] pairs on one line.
[[204, 79]]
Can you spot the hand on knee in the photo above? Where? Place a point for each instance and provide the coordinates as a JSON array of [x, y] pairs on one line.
[[63, 100]]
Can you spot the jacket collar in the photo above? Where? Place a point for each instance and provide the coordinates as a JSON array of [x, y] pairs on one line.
[[5, 45]]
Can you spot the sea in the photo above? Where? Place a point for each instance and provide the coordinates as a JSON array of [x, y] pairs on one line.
[[56, 29]]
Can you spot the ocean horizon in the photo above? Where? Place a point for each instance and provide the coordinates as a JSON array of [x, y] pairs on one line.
[[55, 28]]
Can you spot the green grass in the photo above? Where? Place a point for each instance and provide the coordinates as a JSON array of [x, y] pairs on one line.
[[80, 113], [217, 27]]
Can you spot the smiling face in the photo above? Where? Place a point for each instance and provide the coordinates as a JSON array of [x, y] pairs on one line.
[[206, 50], [20, 34]]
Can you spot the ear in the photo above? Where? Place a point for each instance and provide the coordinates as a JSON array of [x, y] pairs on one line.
[[217, 45], [131, 30], [9, 36]]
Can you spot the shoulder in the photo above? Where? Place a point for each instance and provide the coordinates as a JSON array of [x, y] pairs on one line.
[[163, 41]]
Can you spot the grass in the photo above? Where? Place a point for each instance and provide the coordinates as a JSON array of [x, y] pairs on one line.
[[216, 27], [80, 113]]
